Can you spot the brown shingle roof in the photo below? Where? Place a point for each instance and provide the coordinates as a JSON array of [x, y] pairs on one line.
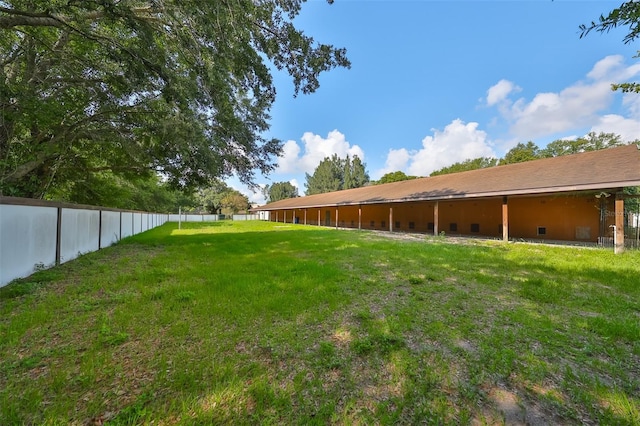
[[608, 168]]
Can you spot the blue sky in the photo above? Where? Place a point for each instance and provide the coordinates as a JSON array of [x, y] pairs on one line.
[[436, 82]]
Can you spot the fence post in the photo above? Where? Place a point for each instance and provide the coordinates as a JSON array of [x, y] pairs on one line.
[[58, 235], [99, 229]]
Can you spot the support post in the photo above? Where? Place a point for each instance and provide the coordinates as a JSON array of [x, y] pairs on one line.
[[99, 229], [318, 217], [359, 218], [436, 209], [390, 219], [619, 214], [58, 236], [305, 216], [505, 219], [336, 218]]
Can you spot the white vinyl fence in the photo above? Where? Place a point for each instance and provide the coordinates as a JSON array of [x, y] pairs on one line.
[[37, 234], [246, 217], [184, 217]]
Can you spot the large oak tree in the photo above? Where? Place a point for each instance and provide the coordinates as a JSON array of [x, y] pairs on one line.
[[177, 87]]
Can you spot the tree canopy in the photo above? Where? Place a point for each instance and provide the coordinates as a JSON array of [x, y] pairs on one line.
[[466, 165], [132, 87], [530, 151], [219, 198], [521, 152], [334, 174], [627, 15], [393, 177], [591, 142], [280, 191]]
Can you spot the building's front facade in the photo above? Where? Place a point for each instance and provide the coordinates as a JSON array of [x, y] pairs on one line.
[[572, 198]]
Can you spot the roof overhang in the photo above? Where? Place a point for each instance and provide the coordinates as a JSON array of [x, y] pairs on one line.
[[558, 190]]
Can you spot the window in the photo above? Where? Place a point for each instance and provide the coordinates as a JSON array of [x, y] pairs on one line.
[[397, 224], [453, 227], [372, 224], [542, 230], [353, 224], [383, 224], [431, 226], [412, 225], [475, 227]]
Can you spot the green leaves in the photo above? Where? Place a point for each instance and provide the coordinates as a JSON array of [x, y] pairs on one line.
[[334, 174], [627, 15], [280, 191], [180, 88]]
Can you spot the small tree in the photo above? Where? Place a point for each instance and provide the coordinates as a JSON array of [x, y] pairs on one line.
[[210, 198], [521, 153], [280, 191], [393, 177], [466, 165], [234, 202]]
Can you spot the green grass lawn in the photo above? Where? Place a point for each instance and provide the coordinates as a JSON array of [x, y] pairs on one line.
[[265, 323]]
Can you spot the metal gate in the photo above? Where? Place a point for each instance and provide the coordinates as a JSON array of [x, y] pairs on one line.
[[631, 222]]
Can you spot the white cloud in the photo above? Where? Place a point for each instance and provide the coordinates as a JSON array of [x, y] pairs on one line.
[[602, 69], [576, 107], [627, 128], [287, 162], [457, 142], [295, 183], [631, 101], [499, 92], [397, 159], [316, 149], [548, 113]]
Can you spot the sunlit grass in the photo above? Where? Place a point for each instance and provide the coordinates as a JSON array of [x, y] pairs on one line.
[[256, 322]]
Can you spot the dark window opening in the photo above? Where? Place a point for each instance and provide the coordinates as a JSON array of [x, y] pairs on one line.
[[397, 224], [353, 224], [542, 230], [453, 227], [431, 226], [412, 225], [475, 227], [383, 224]]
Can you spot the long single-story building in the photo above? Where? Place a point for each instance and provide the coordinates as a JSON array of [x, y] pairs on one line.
[[575, 197]]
